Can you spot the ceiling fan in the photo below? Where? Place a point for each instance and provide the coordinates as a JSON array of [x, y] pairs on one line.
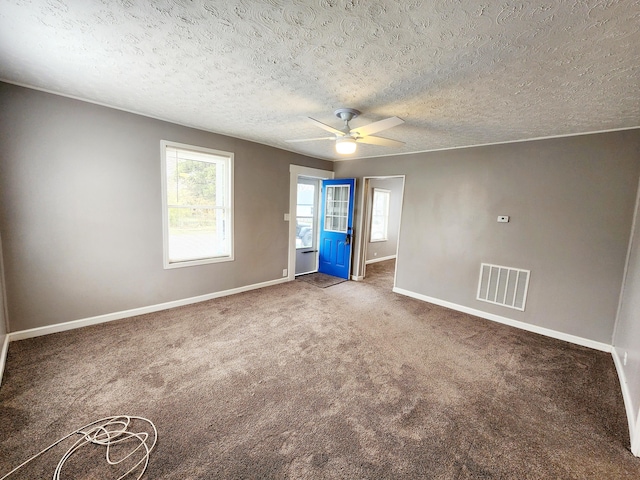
[[347, 138]]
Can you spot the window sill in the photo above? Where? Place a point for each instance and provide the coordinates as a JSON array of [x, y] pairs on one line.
[[192, 263]]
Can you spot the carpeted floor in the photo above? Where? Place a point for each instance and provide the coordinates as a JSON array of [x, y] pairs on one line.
[[352, 381]]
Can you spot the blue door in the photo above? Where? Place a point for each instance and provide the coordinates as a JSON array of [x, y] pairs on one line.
[[336, 227]]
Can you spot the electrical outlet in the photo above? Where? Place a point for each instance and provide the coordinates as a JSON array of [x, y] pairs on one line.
[[624, 360], [503, 219], [285, 272]]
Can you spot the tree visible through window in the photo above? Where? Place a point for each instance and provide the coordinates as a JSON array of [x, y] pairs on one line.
[[197, 193], [379, 215]]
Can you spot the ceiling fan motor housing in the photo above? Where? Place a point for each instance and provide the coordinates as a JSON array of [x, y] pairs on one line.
[[347, 114]]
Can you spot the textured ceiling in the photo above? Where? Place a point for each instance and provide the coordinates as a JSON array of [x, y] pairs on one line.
[[459, 73]]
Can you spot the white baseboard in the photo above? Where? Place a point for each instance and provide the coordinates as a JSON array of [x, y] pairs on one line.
[[3, 355], [381, 259], [84, 322], [634, 423], [585, 342]]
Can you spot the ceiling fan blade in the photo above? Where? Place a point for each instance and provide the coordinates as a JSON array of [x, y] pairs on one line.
[[377, 126], [326, 127], [310, 139], [385, 142]]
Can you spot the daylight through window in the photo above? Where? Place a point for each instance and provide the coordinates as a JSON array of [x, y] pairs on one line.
[[197, 208], [380, 215]]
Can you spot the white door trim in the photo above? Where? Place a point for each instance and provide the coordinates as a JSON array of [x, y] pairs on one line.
[[4, 317], [296, 171]]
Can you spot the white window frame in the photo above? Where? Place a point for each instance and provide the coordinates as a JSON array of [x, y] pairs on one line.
[[341, 214], [228, 156], [385, 215]]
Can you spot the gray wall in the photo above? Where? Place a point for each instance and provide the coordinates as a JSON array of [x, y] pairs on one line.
[[80, 212], [627, 333], [571, 202], [390, 246]]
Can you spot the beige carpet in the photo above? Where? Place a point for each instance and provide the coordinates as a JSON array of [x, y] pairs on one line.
[[351, 381]]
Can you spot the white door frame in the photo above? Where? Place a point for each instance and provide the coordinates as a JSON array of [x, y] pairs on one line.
[[296, 171], [365, 209], [301, 255], [4, 317]]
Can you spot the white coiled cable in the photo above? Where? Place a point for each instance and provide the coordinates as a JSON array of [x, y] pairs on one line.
[[106, 432]]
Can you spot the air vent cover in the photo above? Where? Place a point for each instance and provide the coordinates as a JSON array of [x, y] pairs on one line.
[[504, 286]]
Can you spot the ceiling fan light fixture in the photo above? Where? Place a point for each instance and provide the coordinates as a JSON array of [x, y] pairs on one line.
[[345, 145]]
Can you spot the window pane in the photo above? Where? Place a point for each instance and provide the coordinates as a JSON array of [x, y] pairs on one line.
[[336, 208], [192, 182], [343, 207], [196, 183], [304, 215], [197, 205], [196, 233], [379, 215]]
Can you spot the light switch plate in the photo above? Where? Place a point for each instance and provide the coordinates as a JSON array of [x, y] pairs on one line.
[[503, 219]]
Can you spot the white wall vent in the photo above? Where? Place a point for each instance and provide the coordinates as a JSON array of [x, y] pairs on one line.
[[503, 285]]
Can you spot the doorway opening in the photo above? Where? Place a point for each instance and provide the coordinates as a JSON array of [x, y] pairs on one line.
[[303, 216], [382, 200]]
